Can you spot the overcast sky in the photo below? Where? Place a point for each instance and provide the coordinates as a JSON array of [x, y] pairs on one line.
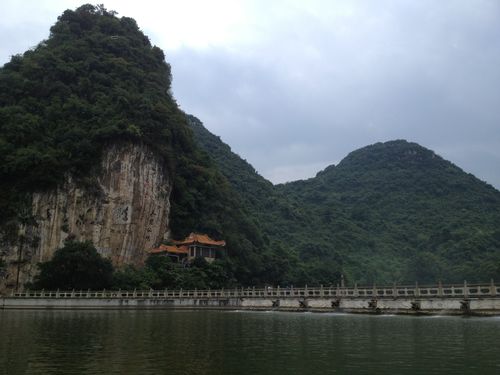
[[293, 86]]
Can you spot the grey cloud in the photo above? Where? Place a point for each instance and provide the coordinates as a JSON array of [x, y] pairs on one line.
[[319, 79], [423, 71]]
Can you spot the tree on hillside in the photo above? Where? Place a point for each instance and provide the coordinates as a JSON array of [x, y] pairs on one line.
[[77, 265]]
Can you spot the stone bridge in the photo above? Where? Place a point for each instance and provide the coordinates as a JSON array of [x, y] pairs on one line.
[[457, 299]]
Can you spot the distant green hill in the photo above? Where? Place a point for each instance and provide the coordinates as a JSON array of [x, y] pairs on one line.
[[281, 223], [389, 212]]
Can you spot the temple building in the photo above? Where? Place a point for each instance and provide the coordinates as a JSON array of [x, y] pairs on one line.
[[193, 246]]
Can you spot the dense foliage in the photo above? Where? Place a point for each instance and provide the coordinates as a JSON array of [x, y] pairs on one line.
[[390, 212], [397, 211], [161, 273], [283, 223], [77, 265], [98, 80]]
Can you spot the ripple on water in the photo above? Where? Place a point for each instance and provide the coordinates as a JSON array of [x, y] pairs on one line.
[[244, 342]]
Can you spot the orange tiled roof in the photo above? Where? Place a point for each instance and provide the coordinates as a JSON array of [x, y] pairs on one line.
[[201, 239], [170, 249]]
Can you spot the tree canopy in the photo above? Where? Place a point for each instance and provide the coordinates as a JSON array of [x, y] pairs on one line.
[[77, 265], [389, 212], [97, 80]]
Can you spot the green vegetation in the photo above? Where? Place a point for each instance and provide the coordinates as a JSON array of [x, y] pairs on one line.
[[95, 80], [77, 265], [390, 212], [397, 211], [284, 224], [161, 273], [98, 80]]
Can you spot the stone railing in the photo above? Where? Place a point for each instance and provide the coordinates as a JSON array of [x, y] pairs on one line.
[[415, 291]]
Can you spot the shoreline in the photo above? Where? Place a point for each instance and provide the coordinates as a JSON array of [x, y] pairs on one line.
[[452, 300], [16, 303]]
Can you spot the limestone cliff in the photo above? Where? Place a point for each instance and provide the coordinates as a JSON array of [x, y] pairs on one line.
[[124, 214]]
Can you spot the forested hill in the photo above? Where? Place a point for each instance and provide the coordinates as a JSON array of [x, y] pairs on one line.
[[392, 211], [283, 225], [95, 81], [399, 210]]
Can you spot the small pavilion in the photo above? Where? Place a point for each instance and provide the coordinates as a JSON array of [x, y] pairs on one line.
[[193, 246]]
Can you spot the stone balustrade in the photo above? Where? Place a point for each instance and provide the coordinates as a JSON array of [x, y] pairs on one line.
[[375, 292]]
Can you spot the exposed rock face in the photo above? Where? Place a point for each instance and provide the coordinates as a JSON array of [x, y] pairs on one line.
[[126, 216]]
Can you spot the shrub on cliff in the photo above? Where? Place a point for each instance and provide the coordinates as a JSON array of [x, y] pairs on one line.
[[77, 265]]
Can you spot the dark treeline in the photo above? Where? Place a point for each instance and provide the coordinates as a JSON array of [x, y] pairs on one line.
[[78, 266]]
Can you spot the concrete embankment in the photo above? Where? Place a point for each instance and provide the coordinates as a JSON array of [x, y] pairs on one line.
[[450, 300]]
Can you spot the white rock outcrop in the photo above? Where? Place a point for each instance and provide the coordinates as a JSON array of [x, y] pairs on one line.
[[124, 214]]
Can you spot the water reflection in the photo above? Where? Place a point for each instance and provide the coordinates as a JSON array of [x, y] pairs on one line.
[[217, 342]]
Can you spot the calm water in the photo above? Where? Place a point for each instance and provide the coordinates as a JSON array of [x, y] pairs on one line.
[[221, 342]]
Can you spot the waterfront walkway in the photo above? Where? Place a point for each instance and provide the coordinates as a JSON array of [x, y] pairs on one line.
[[478, 299]]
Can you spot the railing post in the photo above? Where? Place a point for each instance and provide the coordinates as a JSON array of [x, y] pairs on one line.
[[417, 290], [394, 291], [356, 293], [278, 290], [493, 288], [440, 288], [466, 289]]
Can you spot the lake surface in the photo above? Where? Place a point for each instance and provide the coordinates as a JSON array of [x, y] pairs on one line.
[[224, 342]]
